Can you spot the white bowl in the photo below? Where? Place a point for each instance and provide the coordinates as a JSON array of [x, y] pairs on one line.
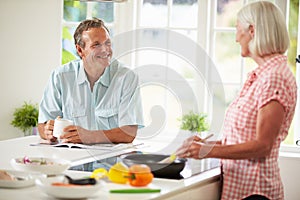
[[67, 192], [22, 179], [50, 167]]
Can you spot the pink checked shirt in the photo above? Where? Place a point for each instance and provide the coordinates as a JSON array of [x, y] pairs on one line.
[[241, 178]]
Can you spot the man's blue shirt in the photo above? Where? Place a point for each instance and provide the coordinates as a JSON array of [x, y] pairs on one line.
[[114, 102]]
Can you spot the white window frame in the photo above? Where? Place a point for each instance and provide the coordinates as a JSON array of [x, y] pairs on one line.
[[127, 18], [207, 42], [297, 112]]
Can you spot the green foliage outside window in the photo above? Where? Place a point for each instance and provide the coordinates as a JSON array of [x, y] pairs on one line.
[[77, 11], [74, 10], [293, 33], [67, 56], [292, 53]]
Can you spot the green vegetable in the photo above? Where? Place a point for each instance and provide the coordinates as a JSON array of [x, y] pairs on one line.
[[142, 190]]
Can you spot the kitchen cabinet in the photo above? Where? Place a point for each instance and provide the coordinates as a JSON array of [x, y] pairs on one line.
[[207, 191]]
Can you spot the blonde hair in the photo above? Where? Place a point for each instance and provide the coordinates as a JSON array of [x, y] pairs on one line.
[[271, 35]]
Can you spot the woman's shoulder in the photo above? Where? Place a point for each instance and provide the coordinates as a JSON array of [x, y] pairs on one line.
[[279, 75]]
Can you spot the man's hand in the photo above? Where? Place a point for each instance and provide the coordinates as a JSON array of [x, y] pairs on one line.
[[72, 134], [46, 131]]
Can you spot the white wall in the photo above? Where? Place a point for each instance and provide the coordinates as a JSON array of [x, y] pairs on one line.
[[30, 48], [289, 164]]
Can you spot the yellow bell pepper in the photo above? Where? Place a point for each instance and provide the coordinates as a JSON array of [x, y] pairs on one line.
[[118, 173], [99, 173]]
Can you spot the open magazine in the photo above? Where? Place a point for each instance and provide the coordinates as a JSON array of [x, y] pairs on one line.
[[101, 146]]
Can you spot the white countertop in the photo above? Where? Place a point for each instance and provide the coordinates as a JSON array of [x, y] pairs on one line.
[[20, 147]]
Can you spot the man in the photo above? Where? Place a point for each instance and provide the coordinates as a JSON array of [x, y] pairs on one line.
[[97, 93]]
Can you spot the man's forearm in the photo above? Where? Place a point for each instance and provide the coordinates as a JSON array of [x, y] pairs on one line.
[[124, 134]]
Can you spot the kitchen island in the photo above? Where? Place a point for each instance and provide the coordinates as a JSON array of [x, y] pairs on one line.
[[204, 185]]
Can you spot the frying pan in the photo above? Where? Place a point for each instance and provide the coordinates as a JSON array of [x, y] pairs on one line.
[[159, 170]]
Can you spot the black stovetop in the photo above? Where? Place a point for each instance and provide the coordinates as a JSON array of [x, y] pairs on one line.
[[192, 166]]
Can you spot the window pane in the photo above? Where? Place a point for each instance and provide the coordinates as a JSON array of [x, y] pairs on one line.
[[249, 65], [231, 91], [182, 67], [148, 57], [188, 33], [293, 33], [104, 11], [184, 13], [166, 101], [227, 11], [154, 13], [149, 100], [155, 37], [227, 57], [294, 133], [250, 1], [68, 42], [290, 139], [68, 47], [74, 10]]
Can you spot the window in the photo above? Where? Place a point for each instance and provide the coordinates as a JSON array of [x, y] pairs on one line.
[[171, 80], [179, 81], [226, 54], [74, 13], [293, 53]]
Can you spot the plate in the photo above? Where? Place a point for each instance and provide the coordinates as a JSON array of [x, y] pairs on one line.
[[24, 180], [49, 166], [67, 192]]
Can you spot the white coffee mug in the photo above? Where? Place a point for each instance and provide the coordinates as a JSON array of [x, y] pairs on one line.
[[59, 125]]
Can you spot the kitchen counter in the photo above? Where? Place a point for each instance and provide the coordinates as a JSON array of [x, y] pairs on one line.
[[205, 185]]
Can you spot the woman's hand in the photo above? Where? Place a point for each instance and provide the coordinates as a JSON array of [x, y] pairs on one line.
[[194, 147], [190, 148]]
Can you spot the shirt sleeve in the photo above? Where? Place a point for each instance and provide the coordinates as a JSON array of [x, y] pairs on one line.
[[50, 105], [130, 109], [273, 87]]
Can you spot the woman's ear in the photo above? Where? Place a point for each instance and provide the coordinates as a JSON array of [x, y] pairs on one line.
[[251, 30]]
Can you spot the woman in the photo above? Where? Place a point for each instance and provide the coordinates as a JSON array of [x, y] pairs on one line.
[[258, 120]]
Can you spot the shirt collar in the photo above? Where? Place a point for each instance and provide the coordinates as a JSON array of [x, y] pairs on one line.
[[81, 74], [267, 64], [104, 79], [261, 68]]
